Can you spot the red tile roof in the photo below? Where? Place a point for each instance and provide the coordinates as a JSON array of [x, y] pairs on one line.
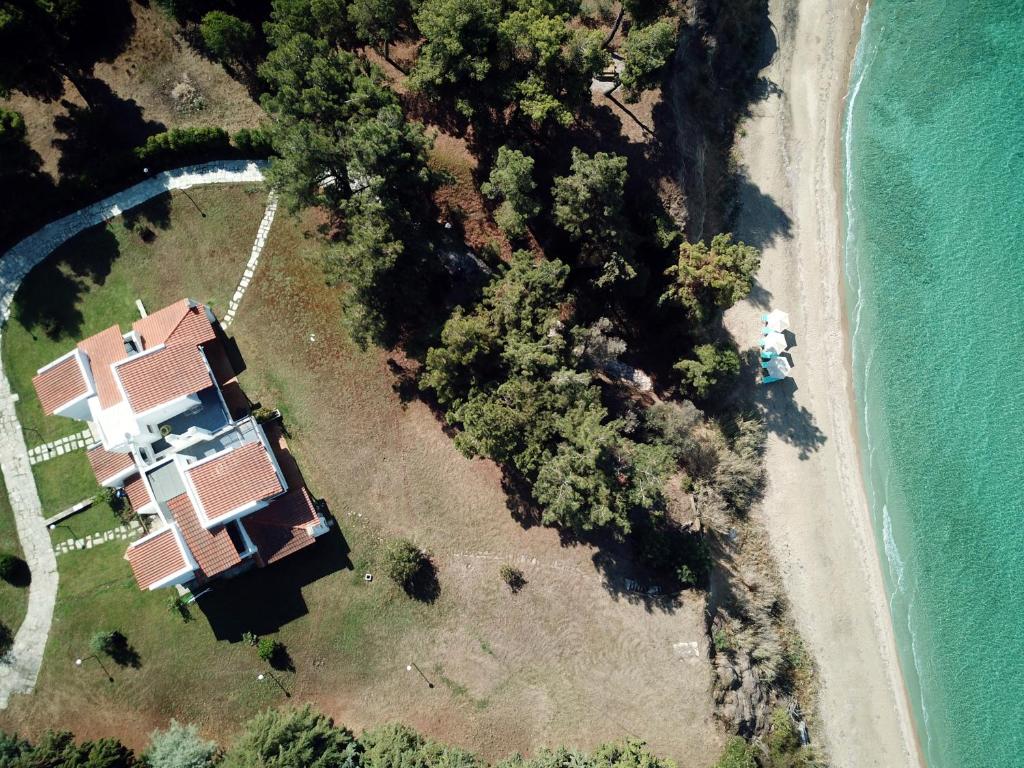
[[178, 323], [104, 349], [281, 528], [137, 492], [243, 475], [213, 550], [164, 375], [60, 384], [106, 465], [156, 558]]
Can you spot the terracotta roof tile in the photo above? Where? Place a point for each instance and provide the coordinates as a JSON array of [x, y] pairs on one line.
[[195, 328], [60, 384], [164, 375], [155, 328], [235, 479], [106, 465], [137, 492], [154, 559], [281, 528], [179, 323], [213, 550], [104, 349]]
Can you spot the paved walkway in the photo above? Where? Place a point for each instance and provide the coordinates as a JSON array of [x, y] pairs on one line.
[[61, 446], [254, 259], [19, 670]]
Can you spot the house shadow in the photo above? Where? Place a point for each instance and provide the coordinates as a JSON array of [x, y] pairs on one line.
[[263, 600]]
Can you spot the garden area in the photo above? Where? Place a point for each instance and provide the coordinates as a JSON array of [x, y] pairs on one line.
[[563, 656]]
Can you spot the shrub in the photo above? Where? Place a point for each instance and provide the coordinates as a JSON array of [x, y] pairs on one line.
[[184, 145], [227, 37], [176, 604], [263, 414], [403, 561], [738, 754], [268, 649], [722, 641], [250, 638], [712, 365], [513, 577], [180, 747], [253, 142], [6, 639], [10, 565], [783, 740], [108, 642]]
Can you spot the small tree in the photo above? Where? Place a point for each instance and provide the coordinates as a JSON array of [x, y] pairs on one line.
[[738, 754], [513, 577], [6, 639], [589, 207], [268, 649], [108, 642], [10, 565], [292, 738], [712, 365], [645, 53], [180, 747], [403, 561], [227, 37], [511, 181]]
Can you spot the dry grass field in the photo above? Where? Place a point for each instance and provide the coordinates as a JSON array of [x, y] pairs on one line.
[[568, 660]]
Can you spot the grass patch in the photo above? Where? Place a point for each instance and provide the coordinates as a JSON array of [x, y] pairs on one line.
[[64, 481], [98, 518], [13, 599]]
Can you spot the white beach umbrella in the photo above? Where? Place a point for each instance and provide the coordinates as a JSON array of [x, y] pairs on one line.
[[777, 321], [774, 342], [778, 367]]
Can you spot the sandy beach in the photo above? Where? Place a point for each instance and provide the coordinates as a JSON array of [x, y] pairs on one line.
[[815, 507]]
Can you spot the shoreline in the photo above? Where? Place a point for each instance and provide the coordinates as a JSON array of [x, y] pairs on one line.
[[815, 508]]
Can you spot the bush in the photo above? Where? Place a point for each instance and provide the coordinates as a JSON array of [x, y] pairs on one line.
[[176, 604], [403, 561], [108, 642], [268, 649], [180, 747], [783, 740], [227, 37], [184, 145], [263, 414], [712, 366], [250, 638], [253, 142], [513, 577], [6, 639], [10, 566], [738, 754]]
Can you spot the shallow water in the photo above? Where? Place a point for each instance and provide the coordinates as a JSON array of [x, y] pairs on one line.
[[934, 160]]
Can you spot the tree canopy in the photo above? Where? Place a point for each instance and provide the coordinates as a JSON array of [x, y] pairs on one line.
[[715, 277], [511, 182], [589, 206], [645, 52]]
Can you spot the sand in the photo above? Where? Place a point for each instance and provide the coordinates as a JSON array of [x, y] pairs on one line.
[[815, 508]]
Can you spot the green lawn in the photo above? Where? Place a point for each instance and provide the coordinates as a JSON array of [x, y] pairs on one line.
[[92, 281], [64, 481], [13, 598], [98, 518]]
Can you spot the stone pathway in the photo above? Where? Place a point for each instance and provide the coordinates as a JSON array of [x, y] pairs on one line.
[[122, 532], [62, 445], [254, 260], [19, 670]]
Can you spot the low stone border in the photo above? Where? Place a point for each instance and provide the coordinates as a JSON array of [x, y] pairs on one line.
[[121, 533], [61, 446]]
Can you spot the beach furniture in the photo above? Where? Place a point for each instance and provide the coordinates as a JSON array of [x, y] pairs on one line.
[[774, 342], [776, 321], [775, 369]]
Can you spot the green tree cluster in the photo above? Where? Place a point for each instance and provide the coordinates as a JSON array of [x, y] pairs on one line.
[[645, 52], [508, 376], [305, 738], [227, 37]]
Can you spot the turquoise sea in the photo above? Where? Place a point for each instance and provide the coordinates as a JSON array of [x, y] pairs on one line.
[[934, 162]]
